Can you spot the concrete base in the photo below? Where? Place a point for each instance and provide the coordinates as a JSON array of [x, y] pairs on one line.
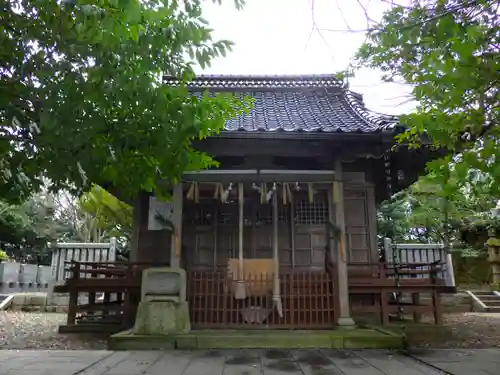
[[422, 333], [94, 329], [368, 338], [42, 301], [346, 322], [162, 318]]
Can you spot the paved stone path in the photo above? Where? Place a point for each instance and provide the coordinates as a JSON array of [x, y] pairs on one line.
[[248, 362], [463, 362]]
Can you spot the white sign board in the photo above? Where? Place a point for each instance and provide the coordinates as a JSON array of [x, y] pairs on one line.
[[158, 209]]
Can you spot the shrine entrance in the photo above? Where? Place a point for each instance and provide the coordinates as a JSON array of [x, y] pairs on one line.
[[256, 255]]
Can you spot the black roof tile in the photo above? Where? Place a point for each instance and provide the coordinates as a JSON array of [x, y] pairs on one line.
[[312, 103]]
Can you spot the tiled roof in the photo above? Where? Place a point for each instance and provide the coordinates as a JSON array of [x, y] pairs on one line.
[[313, 103]]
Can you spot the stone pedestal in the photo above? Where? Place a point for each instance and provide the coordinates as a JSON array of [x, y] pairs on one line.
[[494, 260], [162, 318]]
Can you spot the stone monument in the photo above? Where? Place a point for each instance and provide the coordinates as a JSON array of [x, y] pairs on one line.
[[163, 309]]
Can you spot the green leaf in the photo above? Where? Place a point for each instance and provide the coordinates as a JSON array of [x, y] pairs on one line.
[[448, 52], [89, 105]]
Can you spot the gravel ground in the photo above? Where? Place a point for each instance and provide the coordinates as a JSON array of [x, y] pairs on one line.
[[27, 330], [472, 330]]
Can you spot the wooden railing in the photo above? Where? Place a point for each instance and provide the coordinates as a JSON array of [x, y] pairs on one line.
[[103, 294], [107, 294], [373, 289], [421, 253], [383, 274], [307, 299]]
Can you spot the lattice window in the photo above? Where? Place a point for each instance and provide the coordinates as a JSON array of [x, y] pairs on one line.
[[264, 214], [254, 212], [228, 213], [200, 213], [315, 213], [206, 210]]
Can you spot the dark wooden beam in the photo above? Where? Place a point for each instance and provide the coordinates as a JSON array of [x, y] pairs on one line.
[[254, 147], [326, 150]]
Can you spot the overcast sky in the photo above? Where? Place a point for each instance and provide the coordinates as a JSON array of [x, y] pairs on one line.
[[274, 37]]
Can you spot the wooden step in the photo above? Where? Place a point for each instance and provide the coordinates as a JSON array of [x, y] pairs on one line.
[[489, 298], [484, 301], [483, 293]]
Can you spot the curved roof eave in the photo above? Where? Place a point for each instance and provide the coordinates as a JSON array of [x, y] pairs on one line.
[[303, 105]]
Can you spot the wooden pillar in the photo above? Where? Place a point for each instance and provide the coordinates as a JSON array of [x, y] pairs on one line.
[[175, 247], [276, 279], [344, 314], [240, 289], [275, 214], [372, 225], [292, 228], [134, 255], [241, 219], [215, 239], [73, 295], [415, 300]]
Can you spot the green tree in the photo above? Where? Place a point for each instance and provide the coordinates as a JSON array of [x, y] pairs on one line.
[[393, 218], [424, 213], [3, 256], [95, 216], [25, 229], [449, 52], [14, 222], [111, 216], [82, 99]]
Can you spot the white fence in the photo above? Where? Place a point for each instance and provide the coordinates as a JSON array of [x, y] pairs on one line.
[[421, 253], [80, 252], [19, 277]]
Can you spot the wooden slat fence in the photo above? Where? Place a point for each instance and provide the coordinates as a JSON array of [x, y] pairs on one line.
[[308, 301], [309, 298], [373, 286]]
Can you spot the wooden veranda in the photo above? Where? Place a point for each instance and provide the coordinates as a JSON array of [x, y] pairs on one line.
[[104, 297]]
